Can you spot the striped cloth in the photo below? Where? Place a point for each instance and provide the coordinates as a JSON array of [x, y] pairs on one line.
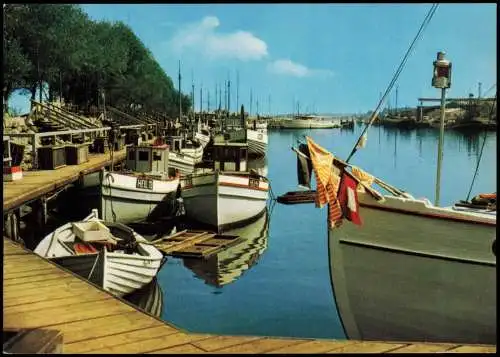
[[327, 183], [362, 176]]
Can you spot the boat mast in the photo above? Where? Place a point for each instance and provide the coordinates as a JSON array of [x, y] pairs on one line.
[[442, 80], [397, 87], [237, 89], [180, 93]]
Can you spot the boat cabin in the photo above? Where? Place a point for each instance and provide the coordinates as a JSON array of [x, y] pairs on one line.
[[229, 156], [147, 158], [176, 142]]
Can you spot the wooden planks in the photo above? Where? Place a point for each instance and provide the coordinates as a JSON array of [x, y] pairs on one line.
[[90, 320], [195, 244]]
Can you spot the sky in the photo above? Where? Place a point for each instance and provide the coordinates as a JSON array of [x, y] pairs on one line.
[[326, 58]]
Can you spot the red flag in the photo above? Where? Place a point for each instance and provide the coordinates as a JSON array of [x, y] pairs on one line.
[[348, 197]]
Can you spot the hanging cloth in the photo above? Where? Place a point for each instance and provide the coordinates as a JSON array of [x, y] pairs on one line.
[[304, 166], [326, 181]]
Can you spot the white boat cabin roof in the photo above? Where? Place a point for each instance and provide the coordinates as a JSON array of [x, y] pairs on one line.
[[148, 158]]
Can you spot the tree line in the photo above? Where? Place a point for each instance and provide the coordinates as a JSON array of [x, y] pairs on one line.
[[83, 61]]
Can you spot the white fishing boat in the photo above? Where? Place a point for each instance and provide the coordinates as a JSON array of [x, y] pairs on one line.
[[257, 142], [194, 149], [309, 122], [110, 255], [181, 157], [202, 135], [229, 195], [415, 272], [149, 298], [146, 189], [410, 270]]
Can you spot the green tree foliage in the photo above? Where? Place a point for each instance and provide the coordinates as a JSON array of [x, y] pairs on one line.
[[81, 59]]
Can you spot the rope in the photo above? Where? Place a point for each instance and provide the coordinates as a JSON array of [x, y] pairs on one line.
[[426, 21], [110, 180], [481, 153]]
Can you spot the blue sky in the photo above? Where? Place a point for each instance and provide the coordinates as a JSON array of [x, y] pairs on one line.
[[333, 58]]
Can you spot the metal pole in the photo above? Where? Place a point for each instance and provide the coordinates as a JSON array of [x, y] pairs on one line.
[[440, 145], [180, 94]]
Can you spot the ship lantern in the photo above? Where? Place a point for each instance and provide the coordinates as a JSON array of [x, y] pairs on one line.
[[442, 72]]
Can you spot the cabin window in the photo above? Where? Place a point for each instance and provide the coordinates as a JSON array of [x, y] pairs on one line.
[[177, 145], [156, 156], [131, 154], [143, 156]]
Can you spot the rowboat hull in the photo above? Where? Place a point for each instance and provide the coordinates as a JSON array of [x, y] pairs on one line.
[[124, 202], [117, 272], [413, 272], [224, 201]]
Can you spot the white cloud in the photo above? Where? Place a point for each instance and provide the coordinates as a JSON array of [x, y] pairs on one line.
[[203, 37], [290, 68]]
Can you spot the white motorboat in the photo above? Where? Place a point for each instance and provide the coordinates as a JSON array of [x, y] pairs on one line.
[[146, 189], [229, 195], [110, 255]]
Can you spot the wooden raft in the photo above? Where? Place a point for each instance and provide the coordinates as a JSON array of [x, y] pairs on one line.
[[195, 244], [39, 295]]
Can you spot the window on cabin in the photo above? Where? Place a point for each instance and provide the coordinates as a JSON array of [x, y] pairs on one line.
[[156, 156], [143, 156]]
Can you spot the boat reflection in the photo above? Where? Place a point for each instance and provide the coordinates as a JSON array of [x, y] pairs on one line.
[[149, 298], [228, 265]]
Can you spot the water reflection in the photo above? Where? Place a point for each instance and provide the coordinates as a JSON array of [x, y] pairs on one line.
[[149, 298], [228, 265]]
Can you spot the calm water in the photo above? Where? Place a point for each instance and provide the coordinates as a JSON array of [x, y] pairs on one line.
[[277, 282]]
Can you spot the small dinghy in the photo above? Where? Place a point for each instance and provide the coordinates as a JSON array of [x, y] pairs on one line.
[[296, 197], [110, 255]]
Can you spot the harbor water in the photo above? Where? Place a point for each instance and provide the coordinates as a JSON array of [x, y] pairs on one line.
[[286, 291], [276, 283]]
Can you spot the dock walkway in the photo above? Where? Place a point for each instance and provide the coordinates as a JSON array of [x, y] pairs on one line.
[[36, 183], [37, 294]]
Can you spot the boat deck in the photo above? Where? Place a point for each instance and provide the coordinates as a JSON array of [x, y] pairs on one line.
[[37, 294]]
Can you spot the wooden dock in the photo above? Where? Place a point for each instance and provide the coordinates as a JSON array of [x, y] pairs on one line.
[[35, 184], [37, 294]]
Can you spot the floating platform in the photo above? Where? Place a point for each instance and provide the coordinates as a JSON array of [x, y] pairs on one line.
[[195, 244], [297, 197], [39, 295]]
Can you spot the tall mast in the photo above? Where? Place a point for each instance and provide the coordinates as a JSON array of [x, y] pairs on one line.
[[228, 95], [192, 91], [180, 93], [397, 88], [237, 89], [201, 98], [269, 103], [251, 102]]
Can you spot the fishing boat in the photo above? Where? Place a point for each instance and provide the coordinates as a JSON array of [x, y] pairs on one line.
[[145, 189], [228, 195], [409, 270], [110, 255], [309, 122], [231, 263], [202, 134], [257, 141], [183, 154]]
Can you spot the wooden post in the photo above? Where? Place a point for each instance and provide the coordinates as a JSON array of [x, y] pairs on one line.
[[34, 159]]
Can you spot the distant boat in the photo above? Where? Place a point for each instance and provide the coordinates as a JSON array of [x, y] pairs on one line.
[[228, 195], [309, 122], [118, 259], [405, 122], [146, 189]]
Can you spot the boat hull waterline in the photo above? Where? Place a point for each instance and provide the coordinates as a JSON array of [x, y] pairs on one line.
[[415, 273]]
